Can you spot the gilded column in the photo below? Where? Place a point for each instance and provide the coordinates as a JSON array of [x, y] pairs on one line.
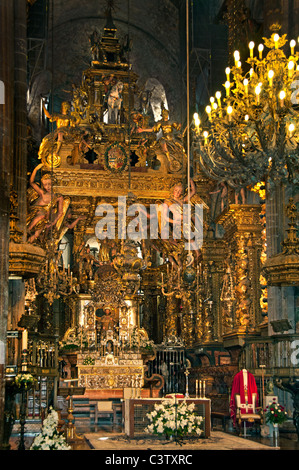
[[214, 252], [243, 238]]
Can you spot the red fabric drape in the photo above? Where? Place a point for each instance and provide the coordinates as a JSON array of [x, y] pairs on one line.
[[239, 389]]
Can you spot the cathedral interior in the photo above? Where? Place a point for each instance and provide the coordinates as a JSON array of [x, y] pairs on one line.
[[149, 208]]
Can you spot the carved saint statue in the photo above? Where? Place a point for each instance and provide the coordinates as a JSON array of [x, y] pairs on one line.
[[46, 207]]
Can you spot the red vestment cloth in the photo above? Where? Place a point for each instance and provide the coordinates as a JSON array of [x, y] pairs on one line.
[[239, 389]]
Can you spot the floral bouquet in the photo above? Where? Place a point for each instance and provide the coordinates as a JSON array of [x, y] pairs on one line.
[[275, 413], [25, 380], [50, 438], [174, 418]]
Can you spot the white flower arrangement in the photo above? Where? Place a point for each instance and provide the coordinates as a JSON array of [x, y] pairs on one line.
[[171, 418], [50, 438], [25, 380]]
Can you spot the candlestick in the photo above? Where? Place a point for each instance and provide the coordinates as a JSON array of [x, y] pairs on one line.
[[200, 388], [196, 387], [204, 389], [24, 339]]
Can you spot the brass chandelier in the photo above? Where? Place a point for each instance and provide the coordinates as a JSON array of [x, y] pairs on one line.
[[251, 133], [55, 279]]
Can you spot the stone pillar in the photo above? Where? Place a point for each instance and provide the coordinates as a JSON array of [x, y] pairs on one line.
[[6, 156], [19, 162], [19, 177]]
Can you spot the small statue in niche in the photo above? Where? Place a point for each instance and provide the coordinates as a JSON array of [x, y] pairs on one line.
[[221, 188], [88, 263], [94, 41], [79, 102], [106, 322], [109, 347], [168, 143], [114, 103], [240, 195], [63, 121]]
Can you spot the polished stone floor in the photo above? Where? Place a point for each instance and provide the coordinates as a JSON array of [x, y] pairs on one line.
[[286, 442]]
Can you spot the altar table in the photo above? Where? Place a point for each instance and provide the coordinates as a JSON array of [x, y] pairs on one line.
[[135, 410]]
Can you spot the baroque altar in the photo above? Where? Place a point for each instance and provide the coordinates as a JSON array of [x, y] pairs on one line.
[[106, 157], [107, 153]]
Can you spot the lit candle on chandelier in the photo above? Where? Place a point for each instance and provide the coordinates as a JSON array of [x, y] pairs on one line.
[[251, 46], [257, 92], [237, 57], [276, 39], [196, 120], [270, 77], [291, 66], [205, 134], [291, 129], [260, 49], [227, 71], [229, 112], [282, 97], [245, 83], [292, 46], [218, 96], [208, 111]]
